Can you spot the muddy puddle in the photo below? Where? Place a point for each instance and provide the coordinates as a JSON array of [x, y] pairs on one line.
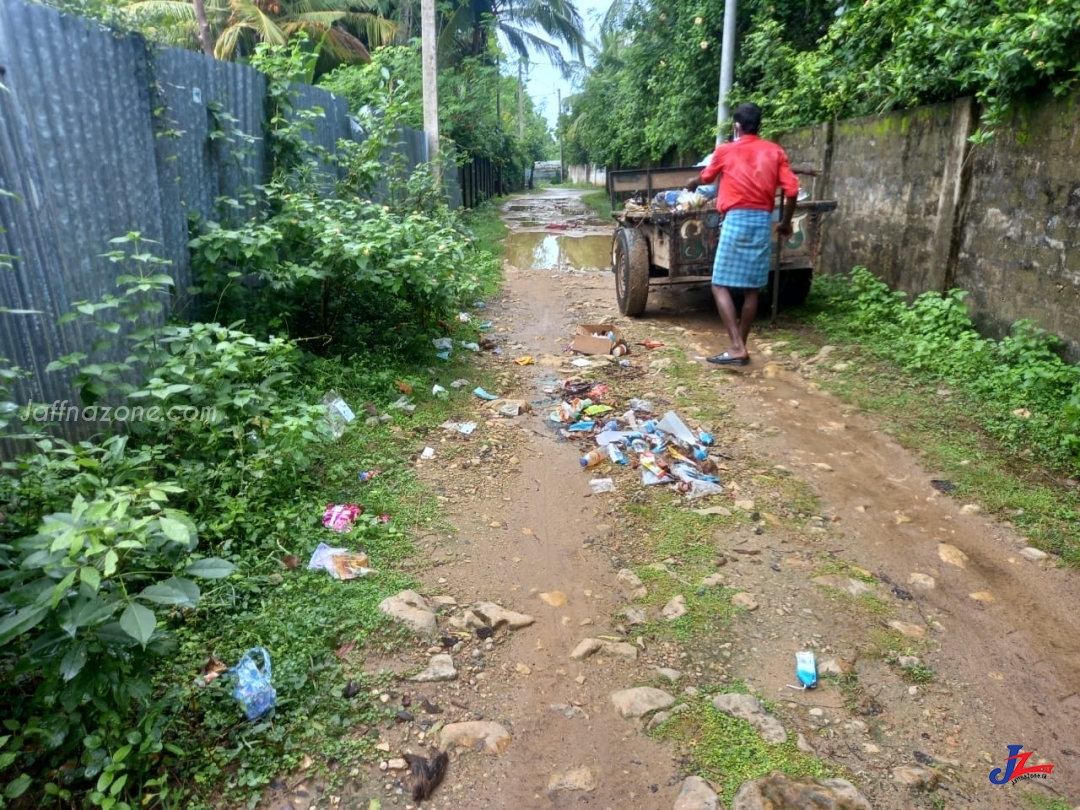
[[530, 250], [554, 231]]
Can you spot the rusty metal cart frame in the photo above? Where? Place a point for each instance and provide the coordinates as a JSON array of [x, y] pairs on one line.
[[665, 247]]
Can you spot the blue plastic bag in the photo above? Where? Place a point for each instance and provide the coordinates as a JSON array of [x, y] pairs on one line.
[[252, 689]]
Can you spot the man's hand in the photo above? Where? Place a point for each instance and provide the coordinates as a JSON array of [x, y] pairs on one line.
[[693, 183], [784, 229]]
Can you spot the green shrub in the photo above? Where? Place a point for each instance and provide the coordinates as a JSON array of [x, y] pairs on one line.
[[1026, 395]]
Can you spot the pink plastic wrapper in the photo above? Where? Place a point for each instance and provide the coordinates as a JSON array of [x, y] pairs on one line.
[[340, 517]]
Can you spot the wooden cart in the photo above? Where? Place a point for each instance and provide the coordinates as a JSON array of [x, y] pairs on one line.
[[659, 247]]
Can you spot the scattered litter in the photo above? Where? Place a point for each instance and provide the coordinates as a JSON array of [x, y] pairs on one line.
[[340, 562], [641, 405], [442, 343], [702, 489], [211, 671], [367, 475], [479, 305], [338, 413], [437, 390], [806, 669], [512, 407], [616, 455], [596, 410], [428, 454], [650, 344], [464, 428], [599, 485], [486, 325], [582, 427], [581, 362], [253, 690], [443, 355], [459, 383], [649, 478], [402, 404], [671, 423], [464, 317], [480, 392], [525, 361], [598, 338], [706, 439], [403, 387], [340, 517], [472, 347], [427, 773]]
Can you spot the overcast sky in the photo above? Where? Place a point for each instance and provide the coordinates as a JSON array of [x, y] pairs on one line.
[[544, 80]]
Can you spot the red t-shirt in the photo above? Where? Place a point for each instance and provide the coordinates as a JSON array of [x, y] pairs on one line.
[[751, 170]]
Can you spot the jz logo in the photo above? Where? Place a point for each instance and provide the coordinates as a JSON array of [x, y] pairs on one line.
[[1016, 767]]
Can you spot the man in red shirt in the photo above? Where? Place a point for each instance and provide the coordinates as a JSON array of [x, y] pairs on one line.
[[750, 170]]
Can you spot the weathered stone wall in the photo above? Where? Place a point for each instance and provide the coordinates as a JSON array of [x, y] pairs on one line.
[[925, 209]]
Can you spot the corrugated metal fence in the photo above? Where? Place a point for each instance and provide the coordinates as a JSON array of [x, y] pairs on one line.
[[102, 134]]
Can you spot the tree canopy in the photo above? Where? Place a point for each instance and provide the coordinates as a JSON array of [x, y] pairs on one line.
[[650, 94]]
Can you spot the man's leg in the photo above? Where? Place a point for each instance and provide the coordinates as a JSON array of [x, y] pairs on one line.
[[749, 312], [726, 308]]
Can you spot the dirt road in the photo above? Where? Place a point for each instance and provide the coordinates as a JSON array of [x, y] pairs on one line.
[[946, 642]]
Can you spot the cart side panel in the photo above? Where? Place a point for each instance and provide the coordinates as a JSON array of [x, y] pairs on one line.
[[802, 248]]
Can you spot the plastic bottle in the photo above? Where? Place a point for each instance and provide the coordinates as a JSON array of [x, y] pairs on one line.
[[619, 350], [616, 455], [591, 459]]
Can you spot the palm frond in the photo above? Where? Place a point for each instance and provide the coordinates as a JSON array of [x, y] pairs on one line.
[[225, 46], [326, 18], [345, 47], [177, 9], [377, 30], [525, 42]]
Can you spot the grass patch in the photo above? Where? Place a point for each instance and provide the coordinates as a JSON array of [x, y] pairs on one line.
[[728, 752], [599, 202], [850, 689], [834, 565], [1034, 801]]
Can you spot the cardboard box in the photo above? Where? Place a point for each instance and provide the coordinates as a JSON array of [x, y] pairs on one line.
[[585, 343]]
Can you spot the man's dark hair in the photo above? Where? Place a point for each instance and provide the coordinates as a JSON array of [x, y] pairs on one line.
[[748, 116]]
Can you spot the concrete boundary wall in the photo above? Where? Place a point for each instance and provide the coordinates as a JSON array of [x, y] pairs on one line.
[[925, 209]]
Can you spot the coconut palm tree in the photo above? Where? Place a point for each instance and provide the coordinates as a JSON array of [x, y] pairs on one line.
[[516, 22], [341, 26]]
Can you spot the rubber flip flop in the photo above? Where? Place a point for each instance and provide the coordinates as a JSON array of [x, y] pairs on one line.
[[726, 359]]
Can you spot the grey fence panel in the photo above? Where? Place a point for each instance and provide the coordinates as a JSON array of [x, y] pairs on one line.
[[209, 132], [101, 135], [79, 149]]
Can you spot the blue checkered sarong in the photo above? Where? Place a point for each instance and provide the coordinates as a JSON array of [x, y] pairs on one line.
[[745, 250]]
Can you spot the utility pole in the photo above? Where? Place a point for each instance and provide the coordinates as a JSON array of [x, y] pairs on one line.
[[727, 70], [558, 129], [521, 106], [428, 50]]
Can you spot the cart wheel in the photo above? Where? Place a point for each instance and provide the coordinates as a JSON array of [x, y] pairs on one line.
[[630, 254]]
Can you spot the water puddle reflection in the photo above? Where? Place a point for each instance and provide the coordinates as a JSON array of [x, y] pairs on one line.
[[563, 252]]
